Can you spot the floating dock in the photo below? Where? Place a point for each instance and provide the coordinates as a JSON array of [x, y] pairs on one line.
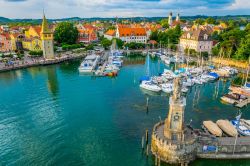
[[243, 103]]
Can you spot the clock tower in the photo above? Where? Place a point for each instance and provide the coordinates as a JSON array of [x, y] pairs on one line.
[[47, 40], [174, 124]]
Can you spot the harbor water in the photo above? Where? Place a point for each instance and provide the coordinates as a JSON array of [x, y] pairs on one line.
[[52, 115]]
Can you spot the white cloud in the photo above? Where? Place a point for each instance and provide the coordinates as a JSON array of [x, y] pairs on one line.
[[240, 4], [120, 8]]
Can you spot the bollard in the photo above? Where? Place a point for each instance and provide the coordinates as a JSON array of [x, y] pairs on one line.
[[147, 150], [147, 104], [142, 142], [156, 157]]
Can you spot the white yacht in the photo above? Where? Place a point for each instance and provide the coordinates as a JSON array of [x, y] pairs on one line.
[[188, 83], [167, 88], [89, 64], [150, 86], [184, 89]]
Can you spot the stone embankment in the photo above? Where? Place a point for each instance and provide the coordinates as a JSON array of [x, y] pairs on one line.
[[23, 65]]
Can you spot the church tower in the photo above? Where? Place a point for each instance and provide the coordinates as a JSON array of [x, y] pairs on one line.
[[174, 124], [47, 40], [178, 17], [170, 19]]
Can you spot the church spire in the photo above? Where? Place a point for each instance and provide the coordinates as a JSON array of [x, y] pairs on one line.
[[170, 19], [45, 26], [178, 17]]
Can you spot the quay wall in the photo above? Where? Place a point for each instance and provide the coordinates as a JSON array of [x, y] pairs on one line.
[[41, 63], [179, 152], [226, 148]]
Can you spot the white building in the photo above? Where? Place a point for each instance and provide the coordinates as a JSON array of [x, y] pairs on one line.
[[198, 40], [130, 34]]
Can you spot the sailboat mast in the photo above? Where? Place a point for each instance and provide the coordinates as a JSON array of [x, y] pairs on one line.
[[147, 70], [247, 71]]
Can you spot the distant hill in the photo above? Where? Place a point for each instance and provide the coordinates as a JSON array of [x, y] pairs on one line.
[[75, 19], [4, 20]]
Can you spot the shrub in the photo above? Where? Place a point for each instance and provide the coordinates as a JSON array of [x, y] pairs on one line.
[[36, 53]]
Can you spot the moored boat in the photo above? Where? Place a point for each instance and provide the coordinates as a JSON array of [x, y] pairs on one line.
[[227, 127], [149, 85], [241, 128], [213, 128]]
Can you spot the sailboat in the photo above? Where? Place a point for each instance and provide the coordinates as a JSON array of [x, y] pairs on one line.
[[247, 84], [147, 83]]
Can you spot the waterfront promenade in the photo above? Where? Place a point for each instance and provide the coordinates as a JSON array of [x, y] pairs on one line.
[[31, 62]]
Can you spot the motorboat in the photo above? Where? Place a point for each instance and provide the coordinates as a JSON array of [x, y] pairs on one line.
[[169, 74], [241, 128], [167, 61], [207, 77], [188, 83], [89, 64], [157, 79], [115, 61], [245, 122], [230, 70], [149, 85], [167, 88], [184, 89], [222, 73], [233, 98], [197, 81], [111, 67]]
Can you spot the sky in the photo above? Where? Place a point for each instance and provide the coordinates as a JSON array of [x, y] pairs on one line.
[[120, 8]]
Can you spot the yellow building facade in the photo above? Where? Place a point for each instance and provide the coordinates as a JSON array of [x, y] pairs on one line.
[[32, 40]]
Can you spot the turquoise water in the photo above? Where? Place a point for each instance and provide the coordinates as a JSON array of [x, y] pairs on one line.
[[53, 116]]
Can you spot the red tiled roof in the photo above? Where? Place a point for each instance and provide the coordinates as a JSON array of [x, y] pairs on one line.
[[6, 35], [37, 29], [110, 32], [132, 32]]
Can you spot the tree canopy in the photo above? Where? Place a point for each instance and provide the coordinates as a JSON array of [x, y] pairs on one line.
[[66, 33], [170, 36], [106, 43], [210, 20], [233, 42], [164, 23]]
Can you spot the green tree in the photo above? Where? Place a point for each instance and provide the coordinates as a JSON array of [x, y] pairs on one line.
[[199, 21], [65, 32], [247, 29], [164, 23], [154, 36], [119, 43], [243, 53], [210, 20], [106, 43]]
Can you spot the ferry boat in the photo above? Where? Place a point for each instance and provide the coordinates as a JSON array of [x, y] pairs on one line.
[[89, 64]]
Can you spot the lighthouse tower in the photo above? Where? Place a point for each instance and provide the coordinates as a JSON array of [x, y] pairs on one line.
[[174, 124], [47, 40], [172, 141]]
